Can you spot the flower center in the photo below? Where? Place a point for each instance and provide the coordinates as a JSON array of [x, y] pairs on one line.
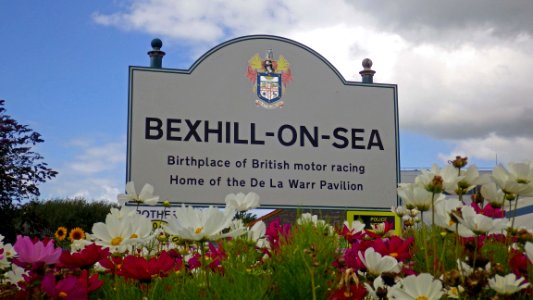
[[198, 230], [133, 236], [116, 241], [394, 254], [62, 294], [422, 298]]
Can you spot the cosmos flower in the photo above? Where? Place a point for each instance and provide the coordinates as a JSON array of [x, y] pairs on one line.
[[377, 289], [508, 284], [394, 246], [257, 234], [15, 275], [277, 232], [146, 196], [139, 268], [416, 196], [470, 179], [242, 202], [445, 210], [517, 179], [85, 258], [71, 287], [353, 232], [307, 218], [116, 233], [493, 195], [480, 224], [376, 264], [438, 180], [30, 252], [416, 287], [201, 224]]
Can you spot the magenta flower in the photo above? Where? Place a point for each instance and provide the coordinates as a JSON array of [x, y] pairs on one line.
[[30, 252], [71, 287]]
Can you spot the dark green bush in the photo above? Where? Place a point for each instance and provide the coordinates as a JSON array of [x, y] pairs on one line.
[[38, 218]]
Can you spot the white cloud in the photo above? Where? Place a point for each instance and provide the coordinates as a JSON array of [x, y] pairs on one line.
[[98, 158], [463, 75], [95, 171], [493, 148]]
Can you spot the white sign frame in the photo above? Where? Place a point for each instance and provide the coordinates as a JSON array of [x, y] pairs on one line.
[[343, 133]]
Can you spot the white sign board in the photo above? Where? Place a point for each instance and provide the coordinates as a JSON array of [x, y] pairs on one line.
[[263, 114]]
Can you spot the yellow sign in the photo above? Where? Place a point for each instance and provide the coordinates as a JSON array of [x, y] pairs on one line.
[[370, 218]]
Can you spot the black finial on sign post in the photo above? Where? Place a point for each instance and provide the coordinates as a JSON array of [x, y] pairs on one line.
[[367, 74], [156, 55]]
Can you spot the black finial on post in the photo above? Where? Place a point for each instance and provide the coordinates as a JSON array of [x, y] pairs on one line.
[[156, 55], [367, 74]]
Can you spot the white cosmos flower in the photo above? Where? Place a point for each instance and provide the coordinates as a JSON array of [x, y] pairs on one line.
[[9, 252], [507, 285], [493, 195], [518, 179], [444, 210], [14, 275], [480, 224], [377, 285], [242, 202], [201, 224], [257, 234], [470, 179], [416, 196], [400, 211], [422, 286], [116, 233], [448, 175], [466, 270], [146, 196], [529, 251], [357, 226], [307, 218], [376, 264]]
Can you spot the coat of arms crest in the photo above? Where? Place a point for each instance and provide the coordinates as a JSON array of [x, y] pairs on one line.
[[269, 77]]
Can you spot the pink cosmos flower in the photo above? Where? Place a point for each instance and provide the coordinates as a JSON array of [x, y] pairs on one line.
[[30, 252]]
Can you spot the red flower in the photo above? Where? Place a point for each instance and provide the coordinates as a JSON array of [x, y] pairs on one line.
[[217, 254], [488, 210], [139, 268], [395, 247], [85, 258], [71, 287], [353, 292], [352, 237], [519, 263], [276, 231], [114, 264], [380, 230]]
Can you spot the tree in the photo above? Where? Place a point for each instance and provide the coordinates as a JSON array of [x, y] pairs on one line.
[[21, 169]]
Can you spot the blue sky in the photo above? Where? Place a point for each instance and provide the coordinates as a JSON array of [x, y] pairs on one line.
[[463, 77]]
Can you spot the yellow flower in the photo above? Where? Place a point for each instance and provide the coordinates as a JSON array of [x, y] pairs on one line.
[[77, 234], [61, 233]]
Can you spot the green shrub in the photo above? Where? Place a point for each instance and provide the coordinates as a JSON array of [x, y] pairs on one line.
[[43, 218]]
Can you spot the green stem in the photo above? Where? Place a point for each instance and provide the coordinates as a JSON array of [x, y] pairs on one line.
[[442, 254], [425, 243], [457, 237], [433, 231], [204, 264], [432, 210]]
